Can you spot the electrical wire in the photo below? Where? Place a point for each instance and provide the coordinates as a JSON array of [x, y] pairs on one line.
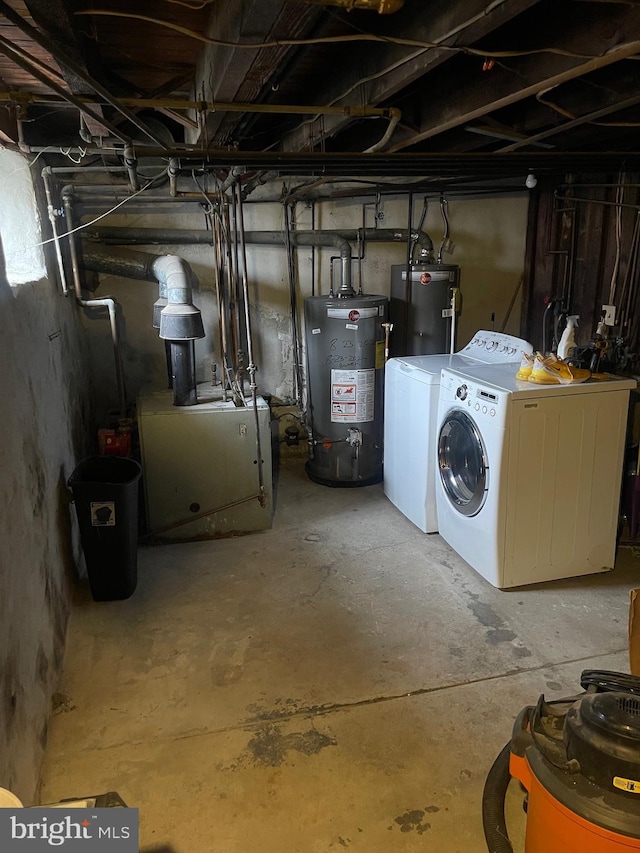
[[344, 39], [194, 7], [407, 59], [85, 224], [31, 163]]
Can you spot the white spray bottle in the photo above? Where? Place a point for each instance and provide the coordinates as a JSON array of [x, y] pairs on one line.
[[568, 340]]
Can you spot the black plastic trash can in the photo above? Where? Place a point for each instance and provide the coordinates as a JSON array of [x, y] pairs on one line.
[[105, 491]]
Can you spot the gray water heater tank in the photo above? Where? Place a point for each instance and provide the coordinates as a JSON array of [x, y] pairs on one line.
[[419, 325], [345, 341]]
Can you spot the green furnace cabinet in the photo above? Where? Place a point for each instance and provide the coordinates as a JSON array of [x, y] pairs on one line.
[[201, 458]]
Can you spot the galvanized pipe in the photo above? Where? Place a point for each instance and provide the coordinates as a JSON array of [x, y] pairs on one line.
[[216, 228], [131, 163], [174, 171], [330, 238]]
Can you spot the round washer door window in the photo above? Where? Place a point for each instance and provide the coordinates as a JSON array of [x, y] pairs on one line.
[[462, 462]]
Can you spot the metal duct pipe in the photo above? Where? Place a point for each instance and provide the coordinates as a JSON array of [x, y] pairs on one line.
[[123, 264], [180, 324], [382, 7], [183, 373], [180, 321]]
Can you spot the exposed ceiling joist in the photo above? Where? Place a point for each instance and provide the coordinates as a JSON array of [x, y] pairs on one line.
[[76, 68], [52, 16], [439, 114], [390, 69], [243, 74], [229, 74]]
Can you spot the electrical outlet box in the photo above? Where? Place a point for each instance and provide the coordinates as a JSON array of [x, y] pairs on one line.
[[609, 315]]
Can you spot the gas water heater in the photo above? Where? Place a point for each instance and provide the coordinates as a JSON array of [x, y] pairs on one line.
[[345, 344], [420, 308]]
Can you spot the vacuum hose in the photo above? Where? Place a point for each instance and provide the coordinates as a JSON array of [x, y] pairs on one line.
[[493, 796]]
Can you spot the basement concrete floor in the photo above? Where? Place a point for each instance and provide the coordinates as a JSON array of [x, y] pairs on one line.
[[339, 681]]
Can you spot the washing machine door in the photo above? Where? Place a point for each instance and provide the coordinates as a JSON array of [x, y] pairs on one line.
[[462, 462]]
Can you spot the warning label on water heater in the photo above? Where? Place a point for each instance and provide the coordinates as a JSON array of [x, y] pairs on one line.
[[352, 396]]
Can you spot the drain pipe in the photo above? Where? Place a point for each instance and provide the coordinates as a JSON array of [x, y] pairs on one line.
[[107, 302], [53, 219]]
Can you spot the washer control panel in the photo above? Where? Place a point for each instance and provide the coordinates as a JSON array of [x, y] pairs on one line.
[[495, 347], [484, 404]]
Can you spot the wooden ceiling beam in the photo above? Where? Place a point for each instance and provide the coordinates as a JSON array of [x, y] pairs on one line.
[[391, 69], [222, 71], [468, 98], [53, 17]]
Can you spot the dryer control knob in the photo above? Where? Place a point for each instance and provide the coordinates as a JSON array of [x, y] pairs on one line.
[[461, 393]]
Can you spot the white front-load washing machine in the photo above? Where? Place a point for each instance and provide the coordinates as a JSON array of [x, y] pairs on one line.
[[529, 475], [412, 386]]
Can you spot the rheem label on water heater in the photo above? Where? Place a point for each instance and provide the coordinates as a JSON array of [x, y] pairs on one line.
[[352, 396]]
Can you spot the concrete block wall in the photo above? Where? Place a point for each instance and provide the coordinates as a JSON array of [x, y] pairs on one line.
[[45, 428]]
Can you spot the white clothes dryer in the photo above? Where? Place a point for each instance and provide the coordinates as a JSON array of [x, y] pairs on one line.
[[412, 386], [529, 475]]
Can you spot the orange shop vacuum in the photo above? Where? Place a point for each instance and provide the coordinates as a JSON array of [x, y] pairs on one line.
[[578, 760]]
